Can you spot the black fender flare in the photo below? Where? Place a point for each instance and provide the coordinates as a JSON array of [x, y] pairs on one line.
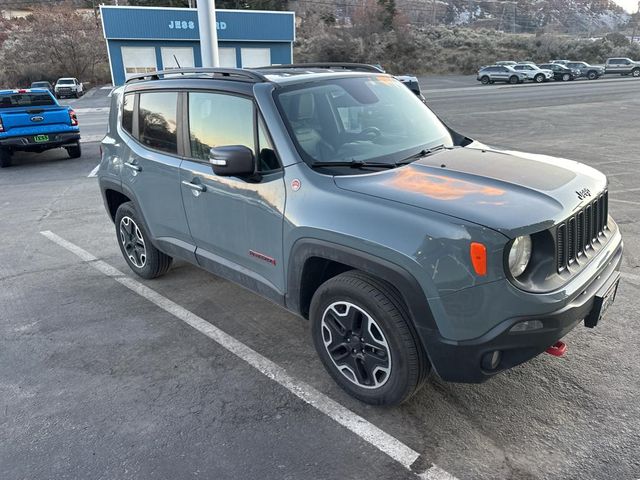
[[398, 277]]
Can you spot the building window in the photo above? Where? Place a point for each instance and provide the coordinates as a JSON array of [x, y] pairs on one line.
[[138, 60], [157, 120], [255, 57], [227, 57], [176, 57]]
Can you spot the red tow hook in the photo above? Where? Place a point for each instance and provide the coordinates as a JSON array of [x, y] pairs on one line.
[[558, 349]]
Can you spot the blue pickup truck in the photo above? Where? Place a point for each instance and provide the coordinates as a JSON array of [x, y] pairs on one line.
[[32, 120]]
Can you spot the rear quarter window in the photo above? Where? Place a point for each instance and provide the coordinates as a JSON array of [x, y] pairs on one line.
[[157, 121], [127, 112], [34, 99]]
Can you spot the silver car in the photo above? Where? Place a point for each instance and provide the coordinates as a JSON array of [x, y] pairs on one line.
[[500, 73], [534, 73]]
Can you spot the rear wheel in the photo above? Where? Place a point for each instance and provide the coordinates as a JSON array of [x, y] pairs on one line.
[[5, 158], [142, 257], [636, 72], [513, 80], [362, 334], [485, 80], [566, 77], [75, 151]]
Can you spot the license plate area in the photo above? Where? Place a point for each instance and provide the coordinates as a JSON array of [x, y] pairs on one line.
[[603, 299], [41, 138]]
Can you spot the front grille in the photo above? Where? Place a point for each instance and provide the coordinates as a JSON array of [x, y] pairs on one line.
[[577, 234]]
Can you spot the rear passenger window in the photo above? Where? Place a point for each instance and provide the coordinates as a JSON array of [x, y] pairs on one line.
[[127, 113], [157, 120], [216, 120]]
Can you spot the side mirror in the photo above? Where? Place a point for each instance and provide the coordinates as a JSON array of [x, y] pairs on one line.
[[232, 161]]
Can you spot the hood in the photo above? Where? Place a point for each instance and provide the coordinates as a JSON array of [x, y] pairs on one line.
[[511, 192]]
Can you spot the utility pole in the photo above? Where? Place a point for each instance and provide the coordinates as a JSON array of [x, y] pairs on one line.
[[515, 14], [433, 19], [208, 33]]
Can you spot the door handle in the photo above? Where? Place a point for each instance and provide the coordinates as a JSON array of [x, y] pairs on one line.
[[194, 186], [132, 166]]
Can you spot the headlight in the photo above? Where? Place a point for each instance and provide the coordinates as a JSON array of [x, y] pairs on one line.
[[519, 255]]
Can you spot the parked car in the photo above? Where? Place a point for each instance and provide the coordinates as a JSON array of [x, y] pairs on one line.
[[506, 63], [561, 62], [44, 84], [534, 73], [69, 87], [592, 72], [500, 73], [560, 72], [33, 121], [343, 198], [622, 66]]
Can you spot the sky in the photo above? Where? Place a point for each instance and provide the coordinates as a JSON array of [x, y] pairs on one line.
[[630, 6]]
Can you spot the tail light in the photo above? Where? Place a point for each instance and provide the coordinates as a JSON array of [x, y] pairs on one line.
[[1, 125], [73, 117]]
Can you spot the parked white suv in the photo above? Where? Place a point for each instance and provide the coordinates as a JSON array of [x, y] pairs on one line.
[[534, 73], [68, 87]]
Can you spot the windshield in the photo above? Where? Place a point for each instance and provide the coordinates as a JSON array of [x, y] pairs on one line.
[[65, 81], [39, 84], [34, 99], [359, 119]]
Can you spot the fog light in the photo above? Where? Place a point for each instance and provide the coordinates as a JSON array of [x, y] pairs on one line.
[[527, 326], [491, 360]]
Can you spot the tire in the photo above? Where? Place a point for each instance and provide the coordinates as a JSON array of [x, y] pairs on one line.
[[5, 158], [539, 78], [397, 363], [592, 75], [514, 80], [143, 258], [75, 151], [485, 80], [566, 77], [77, 94], [636, 72]]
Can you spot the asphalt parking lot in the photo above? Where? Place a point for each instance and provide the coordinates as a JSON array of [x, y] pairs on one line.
[[98, 380]]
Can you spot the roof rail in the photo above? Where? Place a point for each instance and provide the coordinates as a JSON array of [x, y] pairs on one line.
[[219, 73], [358, 67]]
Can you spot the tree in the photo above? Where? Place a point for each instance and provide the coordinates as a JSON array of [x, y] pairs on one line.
[[53, 42]]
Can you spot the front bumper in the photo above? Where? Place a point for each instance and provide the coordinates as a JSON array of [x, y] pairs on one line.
[[27, 142], [462, 361]]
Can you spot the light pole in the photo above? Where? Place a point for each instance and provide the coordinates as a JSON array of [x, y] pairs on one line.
[[208, 33]]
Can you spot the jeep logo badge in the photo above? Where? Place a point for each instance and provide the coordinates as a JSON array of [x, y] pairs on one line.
[[37, 118], [584, 193]]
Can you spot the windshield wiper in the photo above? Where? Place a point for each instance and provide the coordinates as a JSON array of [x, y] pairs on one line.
[[421, 154], [355, 164]]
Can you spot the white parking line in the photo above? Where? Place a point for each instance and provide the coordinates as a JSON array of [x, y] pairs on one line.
[[384, 442], [94, 172]]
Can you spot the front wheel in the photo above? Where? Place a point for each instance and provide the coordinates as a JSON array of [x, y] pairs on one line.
[[142, 257], [592, 75], [75, 151], [361, 332], [5, 158], [566, 77], [636, 72], [485, 80], [539, 78]]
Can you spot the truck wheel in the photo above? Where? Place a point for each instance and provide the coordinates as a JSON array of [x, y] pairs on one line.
[[361, 332], [636, 72], [513, 80], [77, 94], [142, 257], [5, 158], [75, 151], [485, 80]]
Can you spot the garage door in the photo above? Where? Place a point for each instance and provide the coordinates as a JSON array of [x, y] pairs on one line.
[[255, 57], [227, 57], [138, 60], [173, 57]]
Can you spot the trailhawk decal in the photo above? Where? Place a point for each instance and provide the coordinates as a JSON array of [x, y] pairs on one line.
[[262, 256]]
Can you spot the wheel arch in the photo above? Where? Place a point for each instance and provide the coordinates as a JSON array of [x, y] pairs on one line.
[[312, 262]]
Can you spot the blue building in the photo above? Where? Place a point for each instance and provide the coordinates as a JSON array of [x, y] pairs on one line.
[[144, 39]]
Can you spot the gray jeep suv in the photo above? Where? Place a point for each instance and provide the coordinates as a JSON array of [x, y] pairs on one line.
[[343, 198]]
